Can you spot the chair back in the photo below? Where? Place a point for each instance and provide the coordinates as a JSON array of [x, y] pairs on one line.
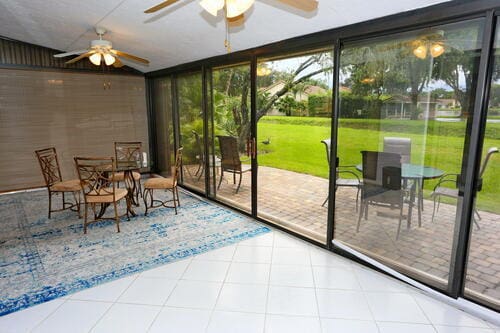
[[382, 177], [382, 169], [95, 174], [47, 158], [178, 164], [230, 157], [327, 143], [491, 151], [128, 154], [401, 146]]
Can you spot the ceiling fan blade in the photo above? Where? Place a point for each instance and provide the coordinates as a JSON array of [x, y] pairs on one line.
[[117, 63], [305, 5], [160, 6], [61, 55], [236, 21], [130, 56], [80, 57]]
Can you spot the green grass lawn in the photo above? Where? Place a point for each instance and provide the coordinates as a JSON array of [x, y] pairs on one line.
[[296, 146]]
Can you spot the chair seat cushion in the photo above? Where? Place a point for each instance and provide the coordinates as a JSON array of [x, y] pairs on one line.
[[446, 191], [67, 186], [120, 176], [159, 183], [120, 193]]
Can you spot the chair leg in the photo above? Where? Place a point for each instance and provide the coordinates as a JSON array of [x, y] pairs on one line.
[[220, 178], [357, 198], [400, 220], [434, 209], [477, 213], [326, 200], [476, 223], [117, 218], [139, 190], [239, 183], [145, 198], [361, 211], [177, 193], [50, 203], [175, 200], [76, 196], [85, 220]]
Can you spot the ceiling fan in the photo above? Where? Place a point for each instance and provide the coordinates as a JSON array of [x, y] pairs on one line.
[[102, 50], [234, 9]]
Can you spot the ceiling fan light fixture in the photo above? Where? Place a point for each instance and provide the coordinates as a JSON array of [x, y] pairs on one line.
[[212, 6], [420, 51], [95, 59], [109, 59], [237, 7], [436, 50]]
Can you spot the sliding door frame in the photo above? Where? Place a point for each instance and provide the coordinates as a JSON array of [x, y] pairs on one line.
[[449, 12]]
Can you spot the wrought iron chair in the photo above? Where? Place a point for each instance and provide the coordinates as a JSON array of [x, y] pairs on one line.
[[161, 183], [381, 185], [99, 187], [127, 153], [343, 169], [51, 171], [440, 190], [230, 159]]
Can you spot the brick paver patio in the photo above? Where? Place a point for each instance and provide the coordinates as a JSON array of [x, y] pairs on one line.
[[294, 200]]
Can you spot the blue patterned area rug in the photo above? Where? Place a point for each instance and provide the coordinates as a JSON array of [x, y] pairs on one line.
[[42, 259]]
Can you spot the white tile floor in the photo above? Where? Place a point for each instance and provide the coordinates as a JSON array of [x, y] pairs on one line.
[[271, 283]]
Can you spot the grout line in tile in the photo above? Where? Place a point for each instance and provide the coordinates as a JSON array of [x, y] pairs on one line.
[[47, 316], [168, 297], [218, 295], [366, 300], [269, 281], [113, 303], [315, 292]]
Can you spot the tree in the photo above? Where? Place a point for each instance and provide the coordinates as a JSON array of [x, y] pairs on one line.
[[287, 104], [234, 83]]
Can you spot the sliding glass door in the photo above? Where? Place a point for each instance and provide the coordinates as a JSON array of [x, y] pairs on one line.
[[483, 267], [294, 109], [406, 104], [230, 157], [191, 129]]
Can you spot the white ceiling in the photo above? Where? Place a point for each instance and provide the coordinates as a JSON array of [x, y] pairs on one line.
[[180, 33]]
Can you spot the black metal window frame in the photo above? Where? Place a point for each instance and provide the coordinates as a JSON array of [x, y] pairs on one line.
[[449, 12]]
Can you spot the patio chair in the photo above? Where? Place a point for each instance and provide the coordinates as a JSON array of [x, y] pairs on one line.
[[99, 187], [381, 185], [440, 190], [343, 169], [129, 153], [230, 159], [49, 163], [401, 146], [160, 183]]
